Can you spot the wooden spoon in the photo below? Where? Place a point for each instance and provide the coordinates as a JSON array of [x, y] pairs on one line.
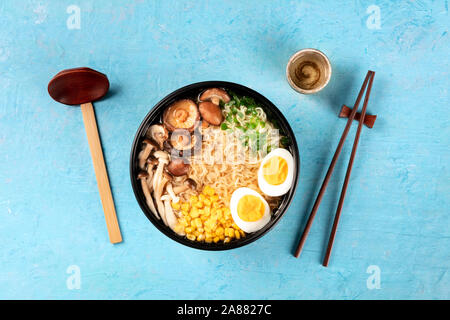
[[81, 86]]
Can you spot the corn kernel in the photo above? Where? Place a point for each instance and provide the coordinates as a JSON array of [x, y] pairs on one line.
[[214, 198], [219, 231], [208, 223], [242, 233], [226, 240], [196, 233], [185, 206], [216, 205], [190, 237], [199, 204], [201, 197], [198, 222], [200, 237], [207, 202], [201, 230], [208, 190], [216, 239], [207, 211], [208, 239], [221, 237], [176, 205], [193, 199], [237, 234], [234, 225], [194, 213]]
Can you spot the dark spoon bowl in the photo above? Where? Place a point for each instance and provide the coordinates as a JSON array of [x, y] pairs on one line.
[[78, 85], [192, 91]]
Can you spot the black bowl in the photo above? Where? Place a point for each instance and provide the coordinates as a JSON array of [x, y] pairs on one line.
[[192, 91]]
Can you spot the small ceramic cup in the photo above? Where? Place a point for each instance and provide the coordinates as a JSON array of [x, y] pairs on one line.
[[308, 71]]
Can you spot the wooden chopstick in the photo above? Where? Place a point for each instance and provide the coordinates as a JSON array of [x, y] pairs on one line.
[[347, 175], [331, 168]]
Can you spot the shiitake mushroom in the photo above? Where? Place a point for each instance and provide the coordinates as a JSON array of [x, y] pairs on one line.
[[215, 95], [181, 139], [211, 112], [178, 166], [182, 114]]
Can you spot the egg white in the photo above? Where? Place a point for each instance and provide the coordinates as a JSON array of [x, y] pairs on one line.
[[277, 190], [247, 226]]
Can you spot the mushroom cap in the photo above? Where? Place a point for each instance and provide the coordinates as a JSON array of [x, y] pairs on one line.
[[205, 124], [147, 141], [158, 133], [167, 146], [190, 183], [161, 154], [215, 95], [181, 139], [167, 176], [178, 167], [182, 114], [151, 142], [211, 112], [152, 161], [142, 174], [166, 197]]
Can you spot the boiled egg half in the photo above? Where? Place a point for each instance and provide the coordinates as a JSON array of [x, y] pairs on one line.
[[276, 173], [250, 211]]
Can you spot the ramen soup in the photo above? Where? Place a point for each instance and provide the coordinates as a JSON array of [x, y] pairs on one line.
[[215, 167]]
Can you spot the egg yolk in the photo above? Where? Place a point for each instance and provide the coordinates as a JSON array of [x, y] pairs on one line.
[[275, 170], [250, 208]]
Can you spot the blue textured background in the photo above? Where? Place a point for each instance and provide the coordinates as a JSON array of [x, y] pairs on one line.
[[396, 214]]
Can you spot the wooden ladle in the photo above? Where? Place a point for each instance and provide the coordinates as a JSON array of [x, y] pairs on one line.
[[82, 86]]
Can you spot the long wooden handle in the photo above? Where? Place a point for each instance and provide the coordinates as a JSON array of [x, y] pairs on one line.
[[90, 124]]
